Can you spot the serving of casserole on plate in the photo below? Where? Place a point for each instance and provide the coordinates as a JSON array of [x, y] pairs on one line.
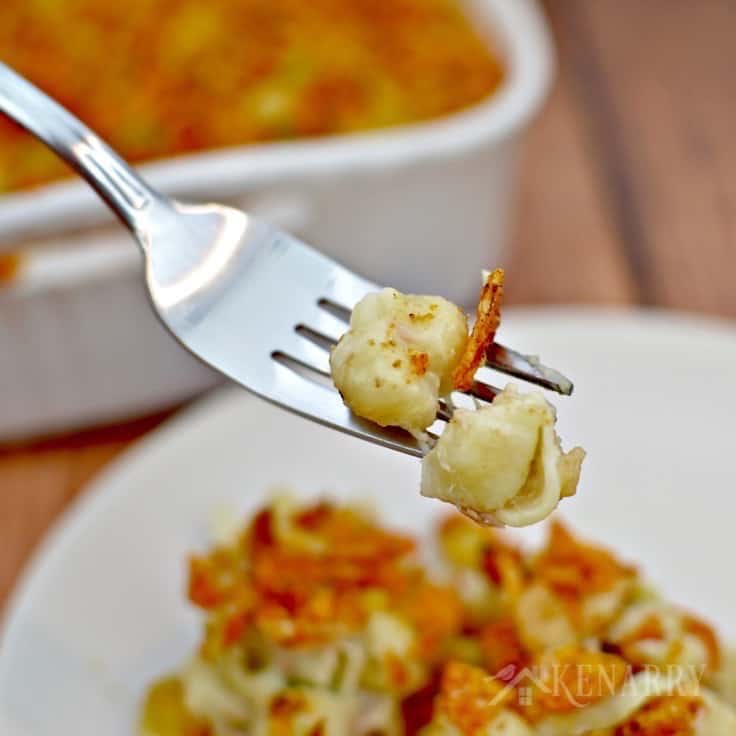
[[320, 621], [398, 174]]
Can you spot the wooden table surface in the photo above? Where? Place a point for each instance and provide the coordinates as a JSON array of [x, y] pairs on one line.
[[628, 197]]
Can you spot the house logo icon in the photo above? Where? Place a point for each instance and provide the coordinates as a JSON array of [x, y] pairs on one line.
[[523, 682]]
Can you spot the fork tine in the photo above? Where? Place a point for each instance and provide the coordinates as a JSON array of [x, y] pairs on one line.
[[484, 391], [338, 310], [325, 405], [306, 355], [444, 412], [527, 368], [499, 357], [504, 360], [326, 324], [311, 356], [303, 350]]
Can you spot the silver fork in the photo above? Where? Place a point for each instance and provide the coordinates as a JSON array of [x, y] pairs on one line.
[[249, 300]]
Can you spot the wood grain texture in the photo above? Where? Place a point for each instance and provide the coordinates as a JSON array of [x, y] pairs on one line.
[[566, 248], [628, 196], [668, 74], [629, 191], [39, 480]]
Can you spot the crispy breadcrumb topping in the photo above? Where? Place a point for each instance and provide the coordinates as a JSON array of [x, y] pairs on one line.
[[487, 320], [469, 698], [574, 570], [320, 621], [310, 594], [183, 76], [672, 715]]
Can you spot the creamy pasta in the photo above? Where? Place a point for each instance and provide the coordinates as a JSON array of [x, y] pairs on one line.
[[318, 622], [398, 356], [502, 463]]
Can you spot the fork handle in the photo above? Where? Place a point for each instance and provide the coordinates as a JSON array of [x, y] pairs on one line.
[[127, 195]]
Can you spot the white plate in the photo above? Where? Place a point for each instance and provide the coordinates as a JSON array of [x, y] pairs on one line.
[[100, 611]]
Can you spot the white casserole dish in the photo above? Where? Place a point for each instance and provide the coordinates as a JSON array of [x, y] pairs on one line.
[[421, 207]]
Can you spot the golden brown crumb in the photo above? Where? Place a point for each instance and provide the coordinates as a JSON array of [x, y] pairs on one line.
[[419, 363], [283, 709], [470, 698], [488, 317], [426, 317], [436, 612], [572, 569], [304, 597], [672, 715], [287, 704], [503, 653]]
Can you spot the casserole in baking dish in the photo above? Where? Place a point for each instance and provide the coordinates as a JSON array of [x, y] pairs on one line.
[[183, 76]]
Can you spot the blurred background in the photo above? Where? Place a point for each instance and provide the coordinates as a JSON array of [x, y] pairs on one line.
[[624, 193]]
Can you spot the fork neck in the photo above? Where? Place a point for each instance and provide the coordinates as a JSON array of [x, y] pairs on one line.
[[127, 195]]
